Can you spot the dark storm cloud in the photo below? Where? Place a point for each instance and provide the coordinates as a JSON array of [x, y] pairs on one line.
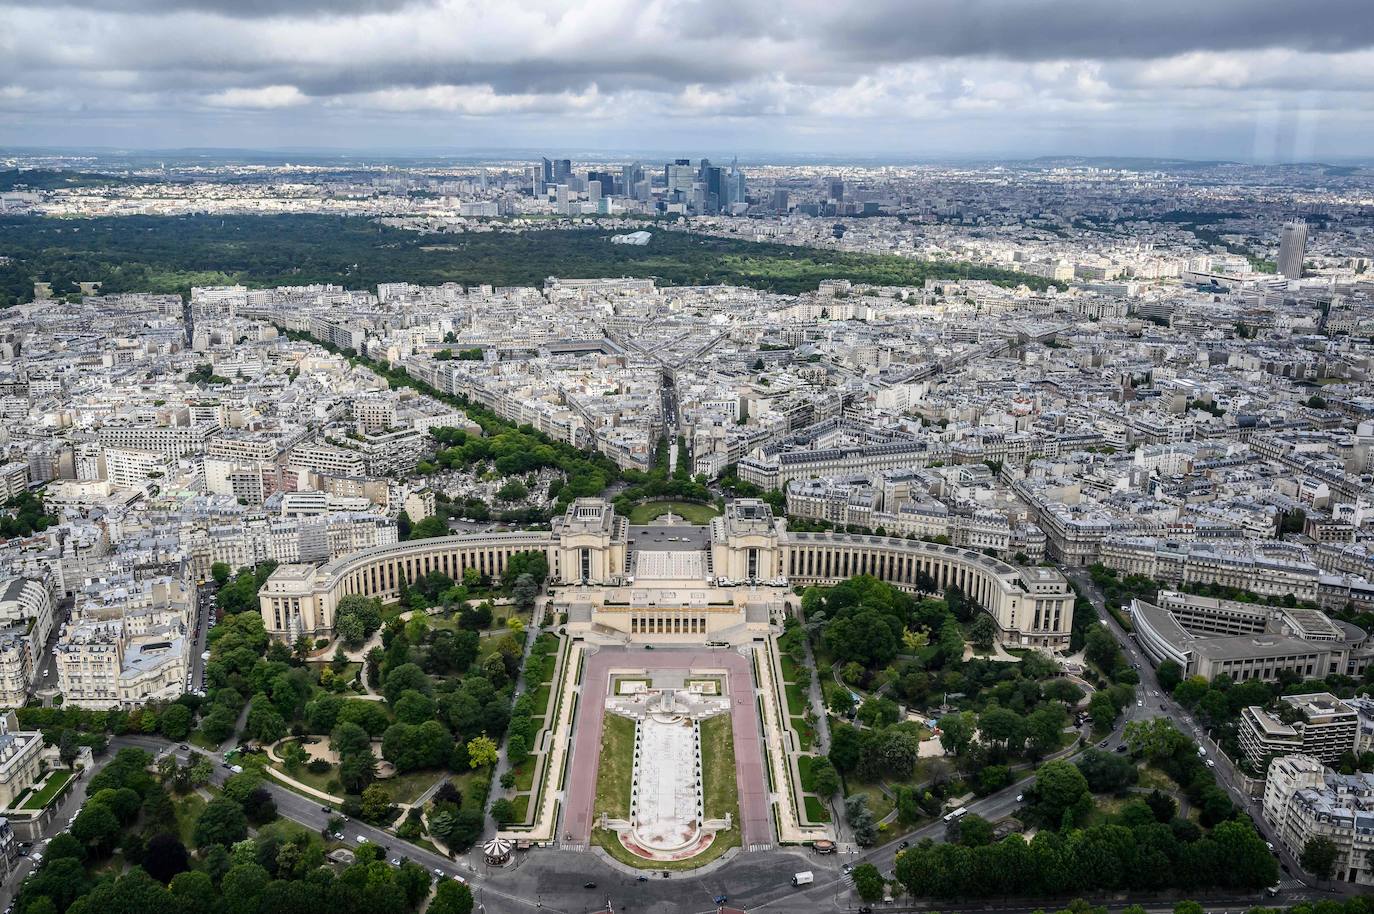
[[172, 71], [642, 72], [238, 9], [1099, 29]]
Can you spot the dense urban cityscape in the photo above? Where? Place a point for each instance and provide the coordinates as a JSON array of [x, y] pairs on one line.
[[686, 457], [1031, 500]]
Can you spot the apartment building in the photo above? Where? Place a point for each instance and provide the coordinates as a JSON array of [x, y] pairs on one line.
[[1303, 799], [330, 461], [20, 753], [14, 480], [26, 614], [102, 665], [1322, 726], [175, 441]]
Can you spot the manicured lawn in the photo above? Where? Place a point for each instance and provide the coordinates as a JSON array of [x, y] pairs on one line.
[[791, 670], [720, 793], [522, 805], [878, 802], [404, 788], [320, 782], [796, 699], [541, 700], [806, 734], [49, 790], [689, 511], [808, 780], [188, 810], [816, 811], [286, 829], [198, 739], [607, 840], [524, 773], [616, 767]]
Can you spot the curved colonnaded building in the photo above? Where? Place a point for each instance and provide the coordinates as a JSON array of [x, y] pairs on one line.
[[729, 589]]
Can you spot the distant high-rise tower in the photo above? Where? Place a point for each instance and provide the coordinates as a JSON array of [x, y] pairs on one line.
[[630, 175], [593, 191], [836, 189], [1292, 249]]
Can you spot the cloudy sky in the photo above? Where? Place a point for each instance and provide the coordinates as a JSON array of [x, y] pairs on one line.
[[1246, 79]]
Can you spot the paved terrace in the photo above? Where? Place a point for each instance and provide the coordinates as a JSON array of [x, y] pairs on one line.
[[578, 816]]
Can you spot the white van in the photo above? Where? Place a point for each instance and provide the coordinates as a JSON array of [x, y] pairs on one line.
[[803, 878]]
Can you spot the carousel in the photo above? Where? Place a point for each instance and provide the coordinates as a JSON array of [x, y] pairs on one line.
[[496, 852]]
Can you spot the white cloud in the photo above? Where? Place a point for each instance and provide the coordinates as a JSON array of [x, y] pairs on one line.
[[266, 97]]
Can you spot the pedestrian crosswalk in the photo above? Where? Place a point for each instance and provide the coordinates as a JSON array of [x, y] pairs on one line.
[[760, 847]]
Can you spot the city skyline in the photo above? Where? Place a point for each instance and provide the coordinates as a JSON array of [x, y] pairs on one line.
[[980, 80]]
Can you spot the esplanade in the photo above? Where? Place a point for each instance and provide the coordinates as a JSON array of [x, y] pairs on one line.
[[731, 590]]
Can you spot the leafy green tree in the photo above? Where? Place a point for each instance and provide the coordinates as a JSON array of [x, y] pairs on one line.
[[220, 572], [407, 677], [824, 777], [68, 749], [376, 803], [450, 897], [1107, 772], [221, 822], [1170, 674], [164, 857], [97, 828], [62, 880], [482, 752], [1104, 711], [524, 592], [860, 819], [1319, 856], [983, 632], [1045, 729], [503, 811], [1003, 728], [1101, 648], [1062, 790], [413, 881], [868, 882], [956, 732], [175, 722], [974, 831], [350, 631], [357, 770], [414, 707]]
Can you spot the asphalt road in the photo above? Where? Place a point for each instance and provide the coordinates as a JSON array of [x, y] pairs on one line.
[[1159, 704], [554, 880]]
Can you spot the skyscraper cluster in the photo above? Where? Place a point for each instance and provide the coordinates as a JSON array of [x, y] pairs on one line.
[[701, 188]]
